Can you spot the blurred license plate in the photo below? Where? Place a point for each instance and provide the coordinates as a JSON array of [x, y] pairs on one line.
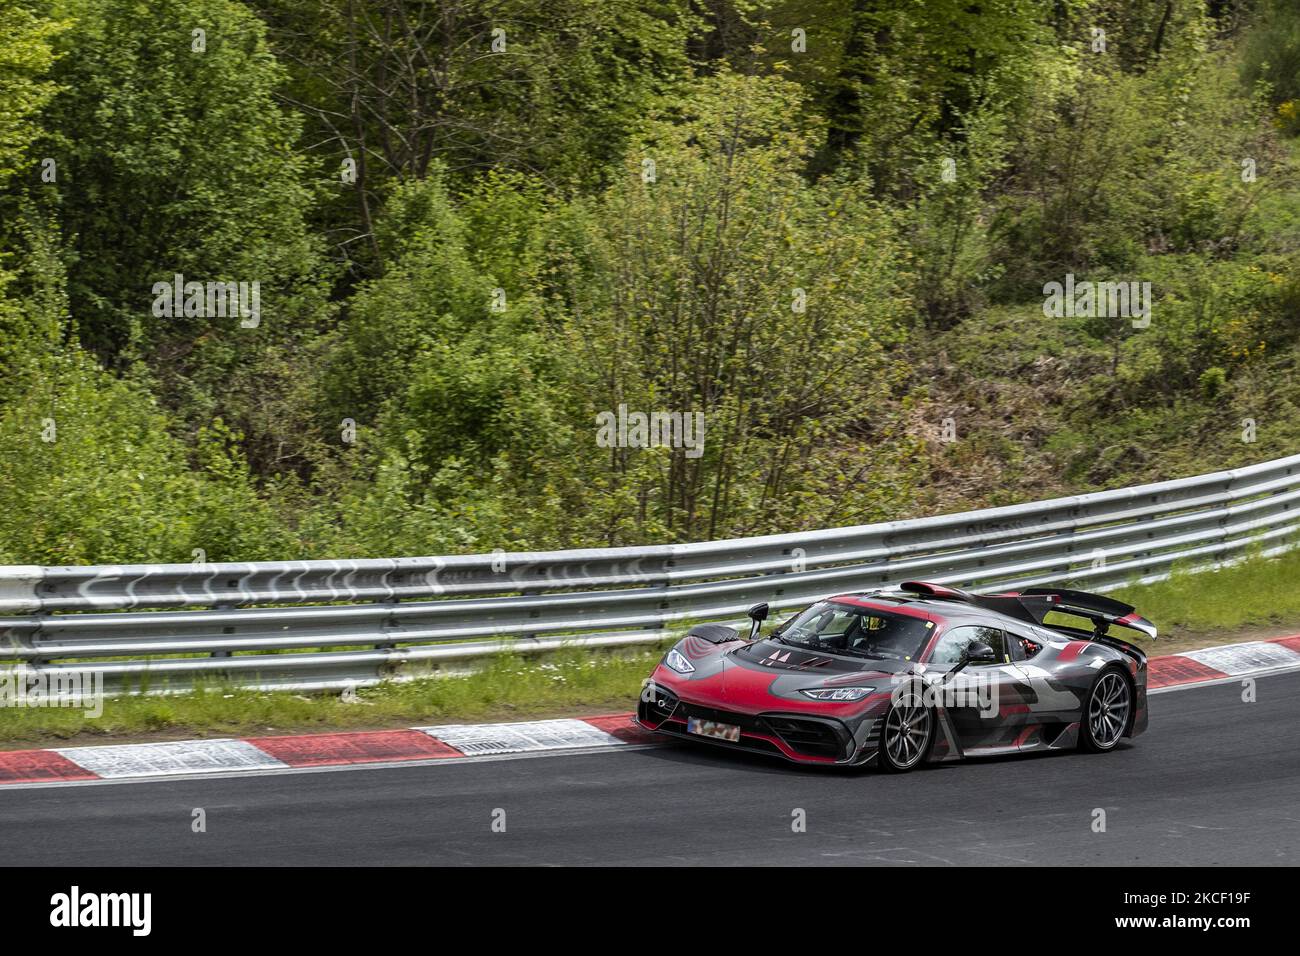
[[711, 728]]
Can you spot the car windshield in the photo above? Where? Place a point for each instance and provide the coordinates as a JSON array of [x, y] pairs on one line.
[[855, 631]]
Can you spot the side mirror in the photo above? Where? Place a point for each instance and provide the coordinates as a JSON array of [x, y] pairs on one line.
[[757, 614], [977, 652]]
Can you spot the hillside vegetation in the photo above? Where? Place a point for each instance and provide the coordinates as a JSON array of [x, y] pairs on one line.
[[478, 229]]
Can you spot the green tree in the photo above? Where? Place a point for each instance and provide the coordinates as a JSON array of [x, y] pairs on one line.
[[391, 87], [909, 74], [26, 57], [175, 157], [93, 475], [725, 284]]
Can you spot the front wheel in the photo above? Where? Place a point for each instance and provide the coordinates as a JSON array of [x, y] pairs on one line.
[[1105, 716], [906, 735]]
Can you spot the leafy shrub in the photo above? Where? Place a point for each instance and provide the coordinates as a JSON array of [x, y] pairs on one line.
[[92, 475]]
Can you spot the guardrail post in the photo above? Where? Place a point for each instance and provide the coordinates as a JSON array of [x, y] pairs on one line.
[[224, 630], [1144, 554], [529, 592], [390, 621], [659, 624], [40, 617]]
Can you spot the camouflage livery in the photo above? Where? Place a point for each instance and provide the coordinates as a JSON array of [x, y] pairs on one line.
[[922, 673]]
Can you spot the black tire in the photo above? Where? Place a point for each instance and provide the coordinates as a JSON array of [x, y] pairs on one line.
[[1107, 712], [906, 735]]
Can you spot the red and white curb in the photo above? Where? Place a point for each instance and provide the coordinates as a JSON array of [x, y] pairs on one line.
[[190, 757], [187, 757], [1228, 662]]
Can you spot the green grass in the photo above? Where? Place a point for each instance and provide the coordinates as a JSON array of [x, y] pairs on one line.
[[507, 688], [1256, 593]]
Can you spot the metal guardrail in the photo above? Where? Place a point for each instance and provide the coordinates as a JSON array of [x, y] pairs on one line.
[[330, 624]]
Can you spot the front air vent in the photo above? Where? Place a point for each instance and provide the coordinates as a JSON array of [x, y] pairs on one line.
[[811, 737]]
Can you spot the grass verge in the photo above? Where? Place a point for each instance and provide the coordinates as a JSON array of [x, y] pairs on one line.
[[1247, 601], [507, 688]]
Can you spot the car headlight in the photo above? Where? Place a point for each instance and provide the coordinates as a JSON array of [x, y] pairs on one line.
[[836, 693], [678, 662]]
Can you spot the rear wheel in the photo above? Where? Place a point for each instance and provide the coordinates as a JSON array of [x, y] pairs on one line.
[[1106, 714], [906, 735]]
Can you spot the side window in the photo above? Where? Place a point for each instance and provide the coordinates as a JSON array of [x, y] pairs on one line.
[[1022, 648], [951, 644]]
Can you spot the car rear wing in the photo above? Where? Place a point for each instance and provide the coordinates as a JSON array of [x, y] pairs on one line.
[[1100, 610], [1034, 604]]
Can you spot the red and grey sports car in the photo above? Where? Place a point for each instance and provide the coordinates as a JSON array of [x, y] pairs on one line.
[[921, 673]]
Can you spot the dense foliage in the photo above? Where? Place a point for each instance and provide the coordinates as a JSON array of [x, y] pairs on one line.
[[481, 230]]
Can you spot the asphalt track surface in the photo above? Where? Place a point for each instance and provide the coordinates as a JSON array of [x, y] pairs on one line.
[[1214, 781]]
